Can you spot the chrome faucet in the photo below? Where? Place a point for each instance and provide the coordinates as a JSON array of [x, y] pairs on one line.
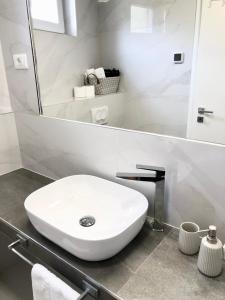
[[158, 177]]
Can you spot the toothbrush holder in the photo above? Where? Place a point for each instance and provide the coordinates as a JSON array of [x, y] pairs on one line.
[[189, 238]]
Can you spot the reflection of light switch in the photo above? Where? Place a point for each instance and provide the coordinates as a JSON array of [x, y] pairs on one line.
[[20, 61], [100, 115]]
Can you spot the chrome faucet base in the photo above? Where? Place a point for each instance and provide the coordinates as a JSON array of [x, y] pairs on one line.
[[157, 226]]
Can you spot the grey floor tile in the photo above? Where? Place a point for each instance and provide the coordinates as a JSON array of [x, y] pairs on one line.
[[168, 274]]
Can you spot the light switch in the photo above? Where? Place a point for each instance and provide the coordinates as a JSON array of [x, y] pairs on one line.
[[20, 61], [178, 57]]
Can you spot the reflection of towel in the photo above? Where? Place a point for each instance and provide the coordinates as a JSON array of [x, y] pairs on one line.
[[84, 92], [100, 73], [46, 286], [90, 71], [112, 73], [80, 92]]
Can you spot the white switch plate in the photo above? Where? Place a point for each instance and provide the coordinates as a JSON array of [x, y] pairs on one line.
[[20, 61]]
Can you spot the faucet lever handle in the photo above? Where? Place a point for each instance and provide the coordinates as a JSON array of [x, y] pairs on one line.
[[137, 176], [160, 171]]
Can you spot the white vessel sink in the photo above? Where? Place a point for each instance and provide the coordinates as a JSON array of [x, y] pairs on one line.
[[59, 210]]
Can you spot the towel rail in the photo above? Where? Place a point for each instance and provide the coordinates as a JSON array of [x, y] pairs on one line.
[[89, 290]]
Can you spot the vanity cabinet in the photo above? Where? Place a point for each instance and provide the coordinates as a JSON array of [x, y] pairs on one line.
[[15, 279], [35, 252]]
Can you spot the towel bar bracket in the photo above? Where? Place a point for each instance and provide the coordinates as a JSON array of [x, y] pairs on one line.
[[88, 290], [21, 241]]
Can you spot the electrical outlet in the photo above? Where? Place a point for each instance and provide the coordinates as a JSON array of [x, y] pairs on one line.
[[20, 61]]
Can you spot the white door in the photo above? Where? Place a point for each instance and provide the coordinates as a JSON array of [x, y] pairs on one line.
[[208, 82]]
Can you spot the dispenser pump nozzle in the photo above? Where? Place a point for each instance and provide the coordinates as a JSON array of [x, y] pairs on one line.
[[212, 234]]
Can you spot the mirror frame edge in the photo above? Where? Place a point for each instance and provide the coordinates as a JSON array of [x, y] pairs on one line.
[[34, 56]]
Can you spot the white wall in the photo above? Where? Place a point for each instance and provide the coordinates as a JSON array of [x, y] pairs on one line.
[[9, 145]]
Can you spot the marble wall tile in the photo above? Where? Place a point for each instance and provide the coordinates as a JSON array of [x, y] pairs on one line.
[[10, 159], [195, 171], [15, 38], [5, 102]]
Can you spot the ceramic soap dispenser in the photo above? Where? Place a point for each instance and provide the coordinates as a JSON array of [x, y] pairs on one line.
[[210, 259]]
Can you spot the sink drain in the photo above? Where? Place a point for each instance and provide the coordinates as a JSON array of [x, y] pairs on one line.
[[87, 221]]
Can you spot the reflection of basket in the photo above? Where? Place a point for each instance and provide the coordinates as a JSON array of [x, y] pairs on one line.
[[103, 86]]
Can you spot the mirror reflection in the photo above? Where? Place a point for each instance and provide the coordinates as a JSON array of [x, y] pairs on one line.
[[132, 64]]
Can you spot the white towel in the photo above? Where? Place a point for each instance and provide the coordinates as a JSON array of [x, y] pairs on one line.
[[84, 92], [46, 286], [90, 91], [80, 92], [90, 71], [100, 73]]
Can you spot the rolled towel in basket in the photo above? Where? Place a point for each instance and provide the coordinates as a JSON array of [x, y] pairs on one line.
[[112, 73], [90, 71], [100, 73]]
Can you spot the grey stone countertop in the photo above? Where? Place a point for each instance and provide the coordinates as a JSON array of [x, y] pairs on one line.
[[150, 267]]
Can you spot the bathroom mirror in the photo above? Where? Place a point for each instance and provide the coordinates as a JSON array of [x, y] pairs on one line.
[[144, 65]]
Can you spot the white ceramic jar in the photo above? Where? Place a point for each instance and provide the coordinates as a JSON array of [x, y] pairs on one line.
[[189, 238]]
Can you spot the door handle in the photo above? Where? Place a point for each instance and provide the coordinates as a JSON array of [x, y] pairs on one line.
[[203, 111]]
